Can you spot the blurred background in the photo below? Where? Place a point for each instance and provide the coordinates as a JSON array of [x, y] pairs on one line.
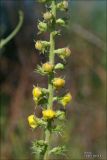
[[85, 76]]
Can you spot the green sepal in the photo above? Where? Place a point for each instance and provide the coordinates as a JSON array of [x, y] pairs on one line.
[[63, 52], [43, 99], [56, 33], [44, 46], [45, 91], [60, 115], [40, 70], [59, 66], [57, 129], [41, 122]]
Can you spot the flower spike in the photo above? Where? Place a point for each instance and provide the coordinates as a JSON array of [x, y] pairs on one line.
[[45, 97]]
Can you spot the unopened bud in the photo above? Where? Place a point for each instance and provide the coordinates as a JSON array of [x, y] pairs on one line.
[[63, 52], [41, 45], [36, 92], [60, 115], [42, 26], [58, 83], [38, 45], [47, 16], [63, 6], [59, 66], [60, 22]]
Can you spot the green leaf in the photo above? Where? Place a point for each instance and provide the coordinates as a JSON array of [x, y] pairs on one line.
[[39, 148], [57, 128], [60, 150], [42, 123]]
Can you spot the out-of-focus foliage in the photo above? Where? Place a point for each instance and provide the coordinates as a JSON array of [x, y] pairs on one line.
[[4, 41], [85, 75]]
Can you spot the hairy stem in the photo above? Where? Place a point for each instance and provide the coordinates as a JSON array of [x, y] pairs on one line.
[[50, 77]]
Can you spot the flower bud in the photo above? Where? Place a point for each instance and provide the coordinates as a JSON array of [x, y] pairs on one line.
[[58, 82], [42, 26], [41, 45], [47, 16], [63, 52], [36, 92], [48, 114], [66, 99], [60, 21], [63, 6], [59, 66], [47, 67], [38, 45], [32, 121]]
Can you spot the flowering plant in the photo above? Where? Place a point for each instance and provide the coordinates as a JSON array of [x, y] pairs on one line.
[[46, 97]]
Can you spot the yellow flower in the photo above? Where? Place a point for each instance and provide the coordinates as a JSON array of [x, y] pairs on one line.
[[47, 67], [38, 45], [58, 82], [36, 92], [48, 114], [66, 99], [32, 121]]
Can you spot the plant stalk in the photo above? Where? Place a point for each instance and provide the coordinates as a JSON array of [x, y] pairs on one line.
[[50, 77], [3, 42]]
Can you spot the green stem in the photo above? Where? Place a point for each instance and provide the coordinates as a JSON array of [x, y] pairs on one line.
[[47, 139], [3, 42], [51, 57], [50, 77]]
